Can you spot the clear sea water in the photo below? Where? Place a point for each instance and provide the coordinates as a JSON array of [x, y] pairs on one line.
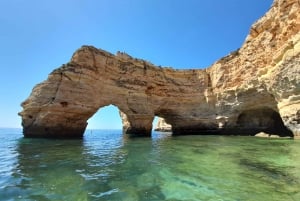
[[106, 165]]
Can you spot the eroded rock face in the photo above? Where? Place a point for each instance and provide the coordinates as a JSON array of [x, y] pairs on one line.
[[255, 88]]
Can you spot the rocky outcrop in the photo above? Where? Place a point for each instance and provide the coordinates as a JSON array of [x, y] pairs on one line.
[[162, 126], [253, 89]]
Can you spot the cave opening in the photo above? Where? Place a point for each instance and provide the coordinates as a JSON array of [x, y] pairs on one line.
[[262, 120], [107, 117], [160, 124]]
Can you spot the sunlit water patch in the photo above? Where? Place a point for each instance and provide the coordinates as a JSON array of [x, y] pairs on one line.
[[106, 165]]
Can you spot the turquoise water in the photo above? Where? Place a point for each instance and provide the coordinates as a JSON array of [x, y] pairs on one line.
[[106, 165]]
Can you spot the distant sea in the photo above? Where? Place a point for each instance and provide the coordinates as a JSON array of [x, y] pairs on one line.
[[106, 165]]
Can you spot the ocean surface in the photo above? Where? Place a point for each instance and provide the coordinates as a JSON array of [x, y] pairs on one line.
[[106, 165]]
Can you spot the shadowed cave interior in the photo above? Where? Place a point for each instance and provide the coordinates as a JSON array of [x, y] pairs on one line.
[[262, 120]]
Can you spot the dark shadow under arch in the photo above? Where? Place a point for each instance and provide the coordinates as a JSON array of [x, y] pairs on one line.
[[262, 120]]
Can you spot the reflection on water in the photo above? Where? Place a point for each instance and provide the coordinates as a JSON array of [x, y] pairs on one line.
[[106, 165]]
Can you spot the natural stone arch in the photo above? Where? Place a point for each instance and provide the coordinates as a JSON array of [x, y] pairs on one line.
[[61, 105], [131, 124], [192, 101]]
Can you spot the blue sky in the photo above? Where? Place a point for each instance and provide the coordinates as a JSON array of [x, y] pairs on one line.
[[37, 36]]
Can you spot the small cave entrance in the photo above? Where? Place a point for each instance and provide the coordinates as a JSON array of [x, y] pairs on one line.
[[107, 117], [262, 120], [160, 124]]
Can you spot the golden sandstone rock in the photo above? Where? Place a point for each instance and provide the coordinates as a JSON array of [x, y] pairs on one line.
[[256, 88]]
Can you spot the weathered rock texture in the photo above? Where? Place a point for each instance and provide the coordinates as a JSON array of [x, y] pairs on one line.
[[256, 88]]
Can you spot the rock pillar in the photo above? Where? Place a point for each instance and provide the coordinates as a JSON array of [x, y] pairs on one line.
[[139, 125]]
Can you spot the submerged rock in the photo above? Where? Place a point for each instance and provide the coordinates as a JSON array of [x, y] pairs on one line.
[[263, 134], [257, 88], [267, 135]]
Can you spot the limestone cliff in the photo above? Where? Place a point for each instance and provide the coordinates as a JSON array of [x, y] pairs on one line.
[[256, 88]]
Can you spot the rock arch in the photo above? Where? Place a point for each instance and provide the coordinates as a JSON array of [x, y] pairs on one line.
[[61, 105], [264, 72]]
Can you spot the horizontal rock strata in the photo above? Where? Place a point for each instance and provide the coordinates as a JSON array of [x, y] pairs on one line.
[[253, 89]]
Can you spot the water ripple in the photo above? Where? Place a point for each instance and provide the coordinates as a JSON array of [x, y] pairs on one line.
[[105, 165]]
